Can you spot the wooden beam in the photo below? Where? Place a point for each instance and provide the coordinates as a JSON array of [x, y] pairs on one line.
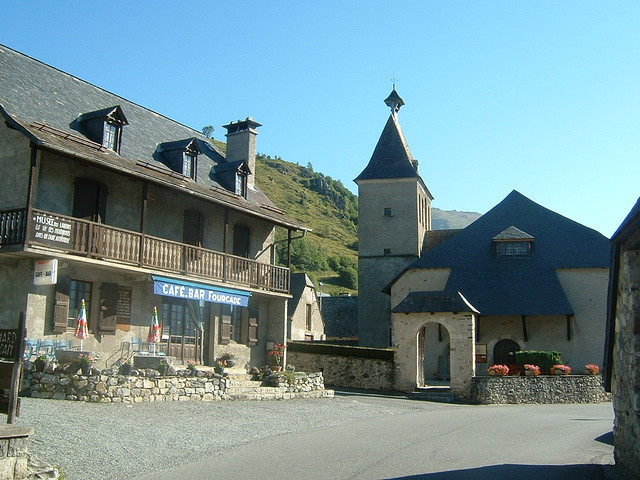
[[524, 328]]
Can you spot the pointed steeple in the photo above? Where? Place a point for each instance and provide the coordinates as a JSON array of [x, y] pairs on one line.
[[394, 101]]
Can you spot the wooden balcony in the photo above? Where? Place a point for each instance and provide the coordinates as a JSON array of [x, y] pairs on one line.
[[115, 245]]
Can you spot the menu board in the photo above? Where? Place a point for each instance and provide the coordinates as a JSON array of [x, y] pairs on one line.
[[124, 302]]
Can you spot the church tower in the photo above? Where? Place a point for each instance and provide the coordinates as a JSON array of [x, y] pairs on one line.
[[394, 214]]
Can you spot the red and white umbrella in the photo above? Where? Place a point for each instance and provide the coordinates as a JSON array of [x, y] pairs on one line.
[[154, 330], [82, 331]]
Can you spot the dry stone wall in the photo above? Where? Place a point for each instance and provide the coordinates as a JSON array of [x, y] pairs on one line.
[[540, 389]]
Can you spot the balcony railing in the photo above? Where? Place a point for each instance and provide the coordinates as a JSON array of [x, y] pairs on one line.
[[111, 244]]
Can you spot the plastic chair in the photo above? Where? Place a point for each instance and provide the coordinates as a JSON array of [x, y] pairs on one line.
[[137, 348], [62, 345], [49, 347], [32, 347]]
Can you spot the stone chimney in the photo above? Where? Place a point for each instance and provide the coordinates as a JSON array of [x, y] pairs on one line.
[[241, 144]]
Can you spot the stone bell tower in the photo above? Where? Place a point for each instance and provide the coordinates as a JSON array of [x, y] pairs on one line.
[[394, 214]]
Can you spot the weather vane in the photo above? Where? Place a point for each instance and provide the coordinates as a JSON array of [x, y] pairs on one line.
[[394, 80]]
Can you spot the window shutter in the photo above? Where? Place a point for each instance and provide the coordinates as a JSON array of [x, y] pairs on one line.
[[61, 306], [252, 331], [192, 232], [241, 241], [108, 308], [101, 203], [225, 329], [85, 199]]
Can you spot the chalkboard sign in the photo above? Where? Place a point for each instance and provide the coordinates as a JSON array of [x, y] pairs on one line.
[[10, 344]]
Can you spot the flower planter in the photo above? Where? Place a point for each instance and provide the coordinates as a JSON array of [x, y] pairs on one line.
[[39, 365], [86, 368], [276, 368], [126, 369], [529, 373], [219, 370], [557, 371]]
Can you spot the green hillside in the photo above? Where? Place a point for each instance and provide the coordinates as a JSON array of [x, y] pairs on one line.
[[329, 253]]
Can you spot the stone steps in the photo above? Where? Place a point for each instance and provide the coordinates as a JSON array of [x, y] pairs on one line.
[[242, 387], [433, 394]]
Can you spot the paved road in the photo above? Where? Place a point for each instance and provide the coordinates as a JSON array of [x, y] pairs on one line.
[[353, 436], [420, 440]]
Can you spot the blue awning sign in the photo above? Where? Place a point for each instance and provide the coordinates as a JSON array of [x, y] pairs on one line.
[[170, 287]]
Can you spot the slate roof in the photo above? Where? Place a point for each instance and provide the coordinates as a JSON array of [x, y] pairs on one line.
[[45, 104], [340, 316], [528, 285], [434, 302], [391, 158]]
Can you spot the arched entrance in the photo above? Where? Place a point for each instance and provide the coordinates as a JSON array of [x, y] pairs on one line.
[[434, 357], [503, 352]]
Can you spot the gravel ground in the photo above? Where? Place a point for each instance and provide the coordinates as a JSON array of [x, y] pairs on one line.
[[121, 441]]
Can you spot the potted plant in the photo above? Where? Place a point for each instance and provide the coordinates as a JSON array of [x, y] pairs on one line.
[[41, 362], [229, 358], [531, 370], [126, 367], [163, 366], [592, 369], [560, 370], [86, 362], [219, 366], [191, 366], [498, 370], [276, 355]]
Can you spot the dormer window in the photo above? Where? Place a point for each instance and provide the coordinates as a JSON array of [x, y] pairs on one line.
[[104, 127], [513, 242], [181, 156], [241, 184], [189, 165], [233, 176]]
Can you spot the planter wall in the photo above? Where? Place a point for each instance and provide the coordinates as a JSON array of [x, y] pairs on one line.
[[540, 389]]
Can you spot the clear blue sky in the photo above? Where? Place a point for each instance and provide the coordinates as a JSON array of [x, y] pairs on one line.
[[542, 97]]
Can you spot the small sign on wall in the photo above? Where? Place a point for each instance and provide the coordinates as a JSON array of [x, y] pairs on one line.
[[46, 272], [481, 353]]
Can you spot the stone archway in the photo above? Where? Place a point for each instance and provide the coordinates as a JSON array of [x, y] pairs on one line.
[[410, 334], [434, 352]]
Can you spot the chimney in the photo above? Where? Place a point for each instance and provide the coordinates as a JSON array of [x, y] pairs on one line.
[[241, 144]]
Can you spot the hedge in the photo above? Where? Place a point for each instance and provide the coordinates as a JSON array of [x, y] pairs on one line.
[[545, 359]]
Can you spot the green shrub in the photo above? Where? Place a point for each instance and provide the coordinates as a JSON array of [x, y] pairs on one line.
[[545, 359]]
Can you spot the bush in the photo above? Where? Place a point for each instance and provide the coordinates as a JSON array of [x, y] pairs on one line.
[[545, 359]]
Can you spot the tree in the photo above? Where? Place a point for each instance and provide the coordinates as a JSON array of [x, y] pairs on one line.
[[208, 131]]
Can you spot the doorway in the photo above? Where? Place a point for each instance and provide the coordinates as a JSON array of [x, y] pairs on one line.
[[179, 328], [434, 355], [504, 352]]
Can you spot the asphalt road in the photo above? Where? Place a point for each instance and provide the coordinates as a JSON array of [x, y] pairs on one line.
[[411, 439]]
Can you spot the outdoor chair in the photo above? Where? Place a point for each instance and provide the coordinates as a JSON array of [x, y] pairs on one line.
[[49, 347], [62, 345], [137, 347], [32, 348]]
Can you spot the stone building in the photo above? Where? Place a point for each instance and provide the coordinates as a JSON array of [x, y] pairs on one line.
[[622, 359], [106, 201], [394, 214], [305, 317], [453, 302], [521, 277]]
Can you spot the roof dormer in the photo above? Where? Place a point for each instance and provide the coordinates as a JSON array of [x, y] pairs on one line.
[[104, 126], [181, 156], [513, 242], [233, 176]]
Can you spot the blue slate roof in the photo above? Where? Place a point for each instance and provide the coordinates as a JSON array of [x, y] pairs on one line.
[[509, 285], [49, 106]]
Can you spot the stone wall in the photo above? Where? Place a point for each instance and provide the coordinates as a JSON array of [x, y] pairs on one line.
[[13, 451], [540, 389], [149, 386], [346, 371], [626, 365]]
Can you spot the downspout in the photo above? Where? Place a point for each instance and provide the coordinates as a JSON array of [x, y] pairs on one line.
[[609, 339], [32, 175]]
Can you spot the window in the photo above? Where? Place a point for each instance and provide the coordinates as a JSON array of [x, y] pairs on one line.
[[387, 212], [111, 138], [193, 228], [241, 185], [232, 322], [513, 248], [308, 318], [78, 291], [189, 165]]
